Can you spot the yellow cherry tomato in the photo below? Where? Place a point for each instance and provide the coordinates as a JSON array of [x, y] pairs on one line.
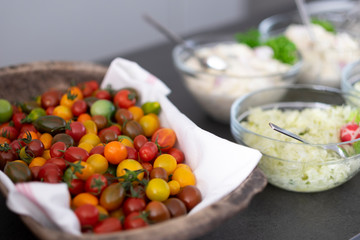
[[166, 161], [86, 145], [184, 176], [174, 187], [63, 112], [38, 161], [90, 126], [149, 123], [99, 163], [73, 94], [157, 190], [91, 138], [84, 198], [129, 164]]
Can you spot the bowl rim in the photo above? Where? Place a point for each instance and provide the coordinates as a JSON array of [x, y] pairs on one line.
[[235, 123], [345, 74], [193, 41]]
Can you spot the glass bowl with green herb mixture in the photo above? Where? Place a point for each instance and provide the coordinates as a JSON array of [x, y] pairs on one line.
[[321, 115], [251, 65], [330, 43]]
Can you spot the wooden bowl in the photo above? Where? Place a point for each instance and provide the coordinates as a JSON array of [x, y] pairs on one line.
[[22, 82]]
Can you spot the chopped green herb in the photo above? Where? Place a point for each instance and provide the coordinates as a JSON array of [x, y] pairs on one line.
[[250, 38], [284, 49], [328, 26]]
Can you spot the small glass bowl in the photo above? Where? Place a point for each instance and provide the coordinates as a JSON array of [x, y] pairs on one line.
[[216, 91], [287, 163], [323, 58]]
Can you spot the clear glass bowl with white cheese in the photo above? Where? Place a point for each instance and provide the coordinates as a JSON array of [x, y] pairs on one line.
[[248, 70], [324, 53], [316, 113]]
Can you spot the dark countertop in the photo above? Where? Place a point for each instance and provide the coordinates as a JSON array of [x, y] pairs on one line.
[[273, 213]]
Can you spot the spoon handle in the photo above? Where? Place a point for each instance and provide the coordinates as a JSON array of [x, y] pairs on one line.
[[286, 132], [169, 34]]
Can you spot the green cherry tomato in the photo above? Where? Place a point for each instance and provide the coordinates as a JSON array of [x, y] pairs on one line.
[[157, 190], [102, 107], [151, 107], [6, 110], [34, 115]]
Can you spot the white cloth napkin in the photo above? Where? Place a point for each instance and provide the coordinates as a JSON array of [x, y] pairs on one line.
[[219, 165]]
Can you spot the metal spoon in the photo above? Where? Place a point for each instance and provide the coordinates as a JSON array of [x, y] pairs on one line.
[[332, 147], [210, 62]]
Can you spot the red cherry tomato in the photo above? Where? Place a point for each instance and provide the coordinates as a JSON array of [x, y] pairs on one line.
[[95, 184], [124, 99], [16, 118], [79, 107], [9, 132], [132, 153], [103, 94], [111, 224], [60, 162], [76, 186], [133, 204], [135, 220], [97, 150], [177, 154], [139, 141], [87, 214], [76, 131], [73, 154], [148, 151], [57, 149], [50, 173]]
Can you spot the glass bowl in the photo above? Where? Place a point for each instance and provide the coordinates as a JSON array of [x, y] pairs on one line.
[[350, 79], [326, 55], [288, 163], [216, 91]]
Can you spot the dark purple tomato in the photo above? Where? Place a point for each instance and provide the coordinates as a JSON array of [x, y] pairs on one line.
[[159, 172], [63, 137], [176, 207], [158, 211], [18, 172], [100, 121], [35, 148], [123, 115], [190, 195], [107, 135]]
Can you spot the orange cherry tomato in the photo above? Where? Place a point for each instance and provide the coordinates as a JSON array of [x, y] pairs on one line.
[[115, 152]]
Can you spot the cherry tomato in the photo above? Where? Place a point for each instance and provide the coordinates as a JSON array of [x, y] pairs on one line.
[[97, 150], [167, 162], [139, 141], [17, 172], [177, 154], [148, 151], [60, 162], [99, 163], [9, 132], [165, 138], [77, 130], [63, 112], [73, 154], [112, 197], [50, 98], [132, 128], [35, 148], [184, 177], [6, 110], [63, 137], [85, 171], [176, 207], [111, 224], [149, 123], [157, 189], [151, 107], [50, 173], [103, 94], [190, 196], [107, 135], [124, 99], [91, 138], [79, 107], [102, 107], [133, 204], [123, 115], [115, 152], [159, 172], [87, 214], [84, 198], [132, 153], [95, 184], [57, 149], [76, 186], [135, 220], [158, 211], [100, 121], [16, 118], [129, 164]]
